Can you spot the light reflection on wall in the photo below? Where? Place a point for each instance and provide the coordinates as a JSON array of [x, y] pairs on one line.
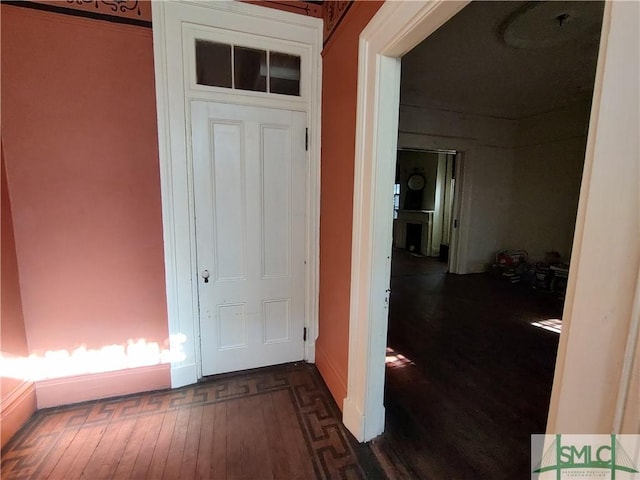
[[82, 361]]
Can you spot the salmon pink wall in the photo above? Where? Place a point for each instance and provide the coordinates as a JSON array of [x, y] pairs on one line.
[[339, 82], [80, 145], [17, 395]]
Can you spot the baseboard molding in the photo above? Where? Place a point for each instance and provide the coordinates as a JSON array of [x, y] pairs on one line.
[[353, 419], [184, 375], [17, 407], [363, 428], [310, 352], [68, 390], [335, 381]]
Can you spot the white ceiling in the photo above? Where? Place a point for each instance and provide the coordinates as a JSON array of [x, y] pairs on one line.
[[467, 65]]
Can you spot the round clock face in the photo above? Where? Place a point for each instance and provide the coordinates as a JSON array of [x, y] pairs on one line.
[[416, 182]]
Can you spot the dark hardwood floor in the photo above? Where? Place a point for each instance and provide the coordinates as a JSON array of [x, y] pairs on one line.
[[468, 377], [272, 423]]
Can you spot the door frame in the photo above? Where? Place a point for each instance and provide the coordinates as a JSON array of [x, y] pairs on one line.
[[173, 23], [596, 318], [459, 237], [459, 211]]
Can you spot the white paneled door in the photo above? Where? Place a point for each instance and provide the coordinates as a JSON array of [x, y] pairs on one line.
[[249, 184]]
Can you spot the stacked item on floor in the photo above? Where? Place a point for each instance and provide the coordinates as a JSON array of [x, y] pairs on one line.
[[511, 265], [552, 274], [560, 277], [543, 277]]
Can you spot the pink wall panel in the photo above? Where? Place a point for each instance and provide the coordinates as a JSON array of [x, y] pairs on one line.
[[339, 83], [80, 140]]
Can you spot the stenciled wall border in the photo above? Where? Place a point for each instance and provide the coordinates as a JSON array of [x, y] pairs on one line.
[[138, 12], [128, 12], [334, 11]]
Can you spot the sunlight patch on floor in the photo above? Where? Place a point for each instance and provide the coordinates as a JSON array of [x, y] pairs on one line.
[[552, 324], [396, 359]]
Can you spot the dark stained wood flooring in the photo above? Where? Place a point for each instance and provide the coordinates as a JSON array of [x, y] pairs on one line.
[[272, 423], [468, 377]]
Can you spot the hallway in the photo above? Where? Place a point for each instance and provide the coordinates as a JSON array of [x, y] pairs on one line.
[[468, 377]]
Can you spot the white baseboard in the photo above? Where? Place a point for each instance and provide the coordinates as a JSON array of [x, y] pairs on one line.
[[184, 375], [353, 419], [310, 352], [363, 428]]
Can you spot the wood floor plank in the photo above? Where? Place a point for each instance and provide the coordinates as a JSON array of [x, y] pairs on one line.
[[132, 446], [176, 448], [234, 442], [279, 460], [62, 442], [205, 444], [153, 425], [300, 463], [81, 462], [192, 443], [220, 446], [101, 452], [81, 448], [162, 445], [255, 456], [66, 458], [263, 459], [117, 450], [33, 445]]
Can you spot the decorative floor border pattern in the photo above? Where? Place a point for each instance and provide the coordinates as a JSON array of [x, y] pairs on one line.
[[333, 451]]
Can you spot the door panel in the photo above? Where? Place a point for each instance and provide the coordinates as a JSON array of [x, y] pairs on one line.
[[249, 186], [228, 172], [276, 195]]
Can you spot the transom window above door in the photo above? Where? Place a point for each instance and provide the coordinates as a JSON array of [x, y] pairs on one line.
[[244, 68]]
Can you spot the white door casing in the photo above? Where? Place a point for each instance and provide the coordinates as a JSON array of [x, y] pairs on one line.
[[394, 30], [249, 185], [175, 25]]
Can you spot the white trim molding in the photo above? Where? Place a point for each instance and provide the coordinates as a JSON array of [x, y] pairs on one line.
[[173, 22], [599, 337], [395, 29]]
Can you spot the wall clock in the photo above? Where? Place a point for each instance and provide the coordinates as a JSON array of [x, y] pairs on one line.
[[416, 182]]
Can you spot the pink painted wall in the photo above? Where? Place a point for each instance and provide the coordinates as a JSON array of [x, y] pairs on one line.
[[80, 144], [339, 91], [16, 395]]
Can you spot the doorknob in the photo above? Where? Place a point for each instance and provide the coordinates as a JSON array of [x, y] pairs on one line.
[[205, 275]]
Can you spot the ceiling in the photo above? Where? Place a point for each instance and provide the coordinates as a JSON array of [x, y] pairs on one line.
[[506, 59]]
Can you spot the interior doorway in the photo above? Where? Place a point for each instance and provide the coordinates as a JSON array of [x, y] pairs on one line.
[[426, 204], [468, 368], [394, 31], [245, 57]]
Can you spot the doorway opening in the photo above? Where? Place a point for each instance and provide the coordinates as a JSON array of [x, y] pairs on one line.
[[392, 33], [480, 375], [425, 215]]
